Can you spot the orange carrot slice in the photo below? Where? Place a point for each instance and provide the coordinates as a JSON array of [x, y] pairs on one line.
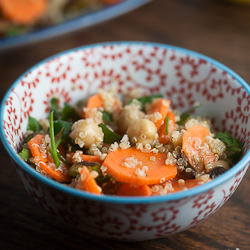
[[134, 190], [161, 106], [44, 162], [136, 167], [94, 101], [163, 137], [23, 11], [89, 158], [87, 182], [175, 186], [191, 183], [192, 145]]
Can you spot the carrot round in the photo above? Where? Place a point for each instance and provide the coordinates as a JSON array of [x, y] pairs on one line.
[[34, 144], [136, 167], [94, 101], [161, 106], [134, 190], [193, 141], [163, 137], [89, 158], [87, 182], [177, 187], [23, 11], [191, 183], [43, 161]]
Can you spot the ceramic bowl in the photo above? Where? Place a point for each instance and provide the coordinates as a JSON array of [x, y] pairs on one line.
[[179, 74]]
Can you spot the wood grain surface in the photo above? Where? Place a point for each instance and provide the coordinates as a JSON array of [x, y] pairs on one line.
[[215, 28]]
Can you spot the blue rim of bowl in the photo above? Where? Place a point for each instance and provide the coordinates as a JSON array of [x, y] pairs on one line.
[[116, 199], [84, 21]]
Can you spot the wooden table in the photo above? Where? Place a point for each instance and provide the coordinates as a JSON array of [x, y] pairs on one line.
[[215, 28]]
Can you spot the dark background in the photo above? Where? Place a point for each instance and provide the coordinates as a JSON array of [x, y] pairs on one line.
[[215, 28]]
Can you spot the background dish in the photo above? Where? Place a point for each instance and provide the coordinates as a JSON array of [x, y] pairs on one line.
[[84, 21]]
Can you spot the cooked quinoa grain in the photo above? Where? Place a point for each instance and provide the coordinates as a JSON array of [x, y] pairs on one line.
[[128, 144]]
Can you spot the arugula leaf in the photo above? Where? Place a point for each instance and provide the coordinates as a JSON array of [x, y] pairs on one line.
[[109, 136], [167, 122], [33, 124], [185, 115], [69, 113], [54, 107], [62, 126], [25, 154], [107, 117], [233, 146], [146, 99]]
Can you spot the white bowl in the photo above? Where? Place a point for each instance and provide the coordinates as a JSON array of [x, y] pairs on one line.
[[182, 76]]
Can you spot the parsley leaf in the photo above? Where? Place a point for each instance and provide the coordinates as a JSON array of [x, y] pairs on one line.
[[33, 124], [185, 115], [63, 127], [146, 99], [69, 113], [107, 117], [167, 122], [25, 154], [109, 136], [54, 107], [233, 146]]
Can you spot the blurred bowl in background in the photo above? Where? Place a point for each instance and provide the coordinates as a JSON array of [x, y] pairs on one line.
[[80, 22]]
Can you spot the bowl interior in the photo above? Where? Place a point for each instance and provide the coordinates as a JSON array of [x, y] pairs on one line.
[[182, 76]]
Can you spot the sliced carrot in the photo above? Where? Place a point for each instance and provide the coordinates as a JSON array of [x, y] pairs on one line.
[[44, 162], [163, 137], [193, 141], [175, 186], [23, 11], [134, 190], [94, 101], [145, 168], [89, 158], [191, 183], [161, 106], [87, 182], [34, 144]]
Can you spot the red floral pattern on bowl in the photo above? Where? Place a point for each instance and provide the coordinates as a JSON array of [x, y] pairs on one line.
[[184, 77]]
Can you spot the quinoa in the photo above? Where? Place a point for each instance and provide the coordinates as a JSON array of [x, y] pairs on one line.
[[105, 135]]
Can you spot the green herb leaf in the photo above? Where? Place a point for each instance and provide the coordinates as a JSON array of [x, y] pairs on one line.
[[102, 179], [52, 138], [146, 99], [25, 154], [167, 122], [15, 31], [185, 115], [54, 107], [234, 146], [109, 136], [62, 158], [107, 117], [33, 124], [58, 142], [63, 127], [69, 113]]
